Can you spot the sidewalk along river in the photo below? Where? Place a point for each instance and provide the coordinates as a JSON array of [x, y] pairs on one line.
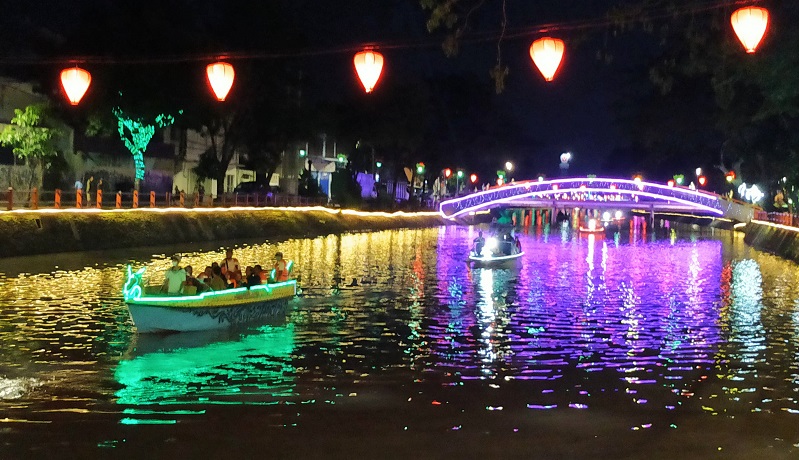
[[627, 346]]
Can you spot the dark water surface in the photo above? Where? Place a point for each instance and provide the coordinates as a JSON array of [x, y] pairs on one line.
[[682, 346]]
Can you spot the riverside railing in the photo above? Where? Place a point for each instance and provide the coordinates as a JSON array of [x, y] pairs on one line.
[[99, 199]]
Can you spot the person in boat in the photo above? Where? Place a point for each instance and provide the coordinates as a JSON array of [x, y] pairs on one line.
[[192, 285], [230, 264], [262, 274], [516, 243], [205, 274], [253, 278], [174, 277], [281, 272], [234, 279], [479, 243], [217, 282], [506, 245]]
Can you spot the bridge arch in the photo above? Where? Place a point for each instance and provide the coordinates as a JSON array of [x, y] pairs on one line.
[[589, 192]]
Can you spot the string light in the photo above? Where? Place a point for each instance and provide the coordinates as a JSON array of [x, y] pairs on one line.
[[136, 135]]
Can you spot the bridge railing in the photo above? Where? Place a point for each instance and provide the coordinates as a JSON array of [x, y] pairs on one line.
[[78, 199], [784, 218]]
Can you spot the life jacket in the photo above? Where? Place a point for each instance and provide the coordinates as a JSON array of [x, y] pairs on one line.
[[281, 273]]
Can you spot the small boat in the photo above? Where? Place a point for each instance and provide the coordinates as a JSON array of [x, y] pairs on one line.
[[496, 253], [592, 227], [493, 260], [155, 312]]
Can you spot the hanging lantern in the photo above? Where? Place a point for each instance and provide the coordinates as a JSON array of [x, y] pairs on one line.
[[220, 76], [368, 65], [75, 82], [547, 54], [750, 25]]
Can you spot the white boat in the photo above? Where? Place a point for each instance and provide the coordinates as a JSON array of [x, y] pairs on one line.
[[153, 312], [494, 259], [496, 253]]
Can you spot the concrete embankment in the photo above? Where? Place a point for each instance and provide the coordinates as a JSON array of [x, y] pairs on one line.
[[45, 232], [779, 240]]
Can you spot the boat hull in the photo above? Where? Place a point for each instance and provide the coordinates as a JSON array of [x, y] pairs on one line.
[[216, 310], [495, 261]]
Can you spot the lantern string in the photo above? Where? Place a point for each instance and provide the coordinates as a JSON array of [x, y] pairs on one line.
[[473, 38]]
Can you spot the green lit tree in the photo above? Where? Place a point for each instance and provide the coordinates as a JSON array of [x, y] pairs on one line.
[[30, 141], [136, 134]]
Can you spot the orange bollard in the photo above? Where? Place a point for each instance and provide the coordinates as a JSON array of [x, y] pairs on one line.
[[119, 200], [135, 198], [196, 200], [99, 199], [10, 196], [182, 200], [79, 199], [35, 198], [152, 199], [57, 199]]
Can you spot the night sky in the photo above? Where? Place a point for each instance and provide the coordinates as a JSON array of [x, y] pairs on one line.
[[582, 111]]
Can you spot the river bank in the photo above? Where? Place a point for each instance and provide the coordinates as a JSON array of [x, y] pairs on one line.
[[780, 240], [52, 231]]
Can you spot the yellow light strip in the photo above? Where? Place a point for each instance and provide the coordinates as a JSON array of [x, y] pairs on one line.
[[772, 224], [231, 209], [677, 214]]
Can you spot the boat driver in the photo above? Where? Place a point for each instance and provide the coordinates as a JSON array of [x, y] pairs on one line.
[[174, 277]]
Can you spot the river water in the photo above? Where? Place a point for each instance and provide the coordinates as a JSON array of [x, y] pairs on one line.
[[627, 346]]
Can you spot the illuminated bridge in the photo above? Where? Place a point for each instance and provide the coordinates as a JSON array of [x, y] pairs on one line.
[[600, 193]]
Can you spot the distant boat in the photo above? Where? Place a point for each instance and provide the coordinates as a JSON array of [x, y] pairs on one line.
[[155, 312], [496, 253], [592, 227]]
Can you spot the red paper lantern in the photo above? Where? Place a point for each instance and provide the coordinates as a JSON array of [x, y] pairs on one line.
[[702, 180], [547, 53], [369, 66], [220, 76], [750, 24], [473, 178], [75, 82], [447, 173]]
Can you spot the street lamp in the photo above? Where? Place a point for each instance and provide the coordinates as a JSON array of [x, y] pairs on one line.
[[508, 166], [565, 158]]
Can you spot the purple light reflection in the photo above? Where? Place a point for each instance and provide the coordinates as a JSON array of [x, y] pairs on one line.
[[576, 307]]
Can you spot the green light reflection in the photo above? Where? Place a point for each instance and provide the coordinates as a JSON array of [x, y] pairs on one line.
[[255, 369]]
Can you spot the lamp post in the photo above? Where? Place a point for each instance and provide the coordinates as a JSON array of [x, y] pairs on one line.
[[509, 169], [565, 158], [458, 177]]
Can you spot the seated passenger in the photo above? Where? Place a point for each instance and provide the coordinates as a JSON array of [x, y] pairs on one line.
[[217, 282], [281, 272], [192, 284], [261, 274], [253, 278], [205, 274], [234, 279]]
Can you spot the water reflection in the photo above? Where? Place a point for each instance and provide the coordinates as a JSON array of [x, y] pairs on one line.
[[208, 368], [638, 328]]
